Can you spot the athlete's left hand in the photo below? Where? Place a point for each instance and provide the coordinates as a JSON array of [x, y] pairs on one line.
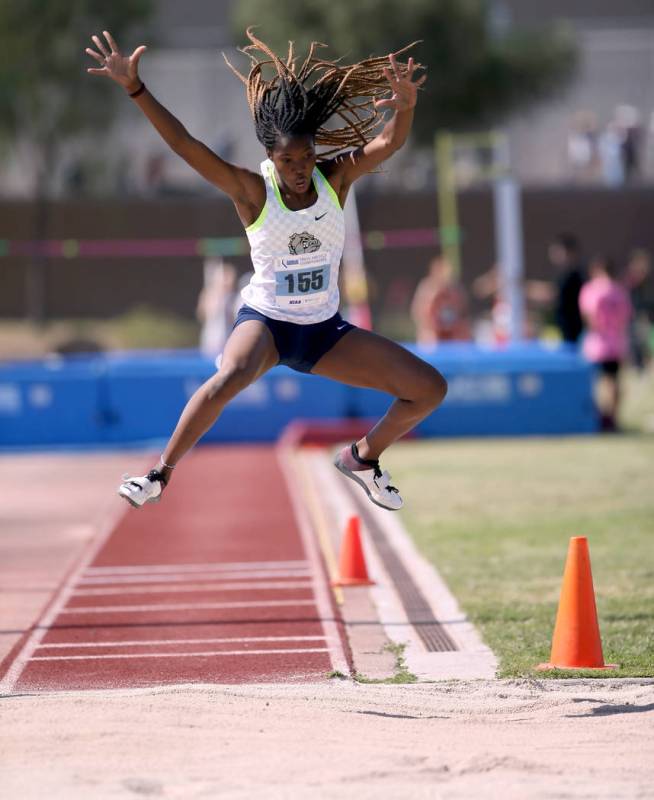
[[404, 89]]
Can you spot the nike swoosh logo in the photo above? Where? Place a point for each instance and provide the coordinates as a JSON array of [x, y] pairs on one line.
[[321, 216]]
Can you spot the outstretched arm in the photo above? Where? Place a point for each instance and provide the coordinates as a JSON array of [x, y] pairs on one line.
[[244, 187], [346, 168]]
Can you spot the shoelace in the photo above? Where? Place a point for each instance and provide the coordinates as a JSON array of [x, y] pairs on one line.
[[378, 474], [374, 463]]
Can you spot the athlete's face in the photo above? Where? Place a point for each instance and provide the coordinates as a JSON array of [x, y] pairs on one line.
[[294, 158]]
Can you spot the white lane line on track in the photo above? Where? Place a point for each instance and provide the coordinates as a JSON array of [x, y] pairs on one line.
[[179, 568], [109, 519], [230, 639], [196, 576], [184, 606], [248, 586], [184, 655], [289, 467]]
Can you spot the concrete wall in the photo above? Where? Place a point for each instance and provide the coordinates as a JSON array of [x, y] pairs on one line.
[[611, 221]]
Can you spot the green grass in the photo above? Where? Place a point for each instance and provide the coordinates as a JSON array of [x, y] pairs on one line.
[[401, 672], [336, 674], [495, 517], [638, 405], [141, 327]]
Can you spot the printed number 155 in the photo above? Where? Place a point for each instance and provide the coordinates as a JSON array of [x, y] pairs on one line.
[[306, 281]]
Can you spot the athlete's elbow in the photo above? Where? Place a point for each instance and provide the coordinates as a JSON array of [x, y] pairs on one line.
[[393, 145], [182, 144]]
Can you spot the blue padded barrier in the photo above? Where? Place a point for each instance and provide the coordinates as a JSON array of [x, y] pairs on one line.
[[122, 398], [147, 396], [55, 401], [525, 389]]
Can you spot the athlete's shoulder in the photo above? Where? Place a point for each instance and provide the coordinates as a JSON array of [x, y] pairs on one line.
[[335, 171], [332, 172]]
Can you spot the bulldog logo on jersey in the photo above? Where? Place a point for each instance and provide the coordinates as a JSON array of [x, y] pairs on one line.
[[303, 242]]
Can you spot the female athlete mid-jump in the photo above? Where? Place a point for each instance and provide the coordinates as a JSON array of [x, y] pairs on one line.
[[293, 218]]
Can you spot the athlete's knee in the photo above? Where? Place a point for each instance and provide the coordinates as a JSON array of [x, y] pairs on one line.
[[440, 388], [231, 379], [433, 388]]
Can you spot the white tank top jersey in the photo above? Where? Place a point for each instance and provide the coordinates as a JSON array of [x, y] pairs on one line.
[[296, 255]]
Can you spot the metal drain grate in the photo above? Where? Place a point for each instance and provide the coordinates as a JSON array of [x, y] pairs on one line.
[[433, 635]]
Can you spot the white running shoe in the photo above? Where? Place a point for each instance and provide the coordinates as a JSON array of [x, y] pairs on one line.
[[372, 480], [139, 491]]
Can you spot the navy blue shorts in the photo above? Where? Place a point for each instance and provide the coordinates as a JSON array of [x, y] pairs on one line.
[[299, 346]]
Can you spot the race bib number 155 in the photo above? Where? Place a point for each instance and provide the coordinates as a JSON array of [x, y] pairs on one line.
[[302, 280]]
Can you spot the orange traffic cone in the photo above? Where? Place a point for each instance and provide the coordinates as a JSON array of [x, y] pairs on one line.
[[576, 643], [352, 564]]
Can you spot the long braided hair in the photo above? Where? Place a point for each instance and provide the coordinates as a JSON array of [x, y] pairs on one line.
[[297, 102]]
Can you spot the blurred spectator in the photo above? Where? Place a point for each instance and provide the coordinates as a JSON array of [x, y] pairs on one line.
[[605, 305], [620, 147], [565, 256], [215, 309], [440, 305], [563, 253], [611, 155], [628, 120], [496, 329], [638, 269], [583, 146]]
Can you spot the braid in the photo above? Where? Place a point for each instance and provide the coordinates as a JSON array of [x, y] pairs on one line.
[[300, 102]]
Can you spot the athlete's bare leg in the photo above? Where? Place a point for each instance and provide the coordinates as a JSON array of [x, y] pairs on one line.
[[249, 353], [365, 359], [609, 394]]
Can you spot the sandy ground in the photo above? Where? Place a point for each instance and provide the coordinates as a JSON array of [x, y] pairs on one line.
[[491, 739]]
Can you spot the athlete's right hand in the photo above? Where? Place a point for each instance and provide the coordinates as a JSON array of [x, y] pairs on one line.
[[120, 68]]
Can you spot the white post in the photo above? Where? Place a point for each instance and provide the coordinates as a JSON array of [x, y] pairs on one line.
[[353, 267], [509, 251], [353, 247]]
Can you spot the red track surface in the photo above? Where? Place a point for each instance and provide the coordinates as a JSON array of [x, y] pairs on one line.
[[211, 585]]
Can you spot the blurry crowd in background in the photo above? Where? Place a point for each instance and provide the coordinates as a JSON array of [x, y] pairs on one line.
[[613, 154], [595, 304]]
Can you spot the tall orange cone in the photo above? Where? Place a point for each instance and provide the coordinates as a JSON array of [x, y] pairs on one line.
[[352, 569], [576, 643]]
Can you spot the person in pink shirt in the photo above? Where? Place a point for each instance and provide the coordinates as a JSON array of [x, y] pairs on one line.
[[606, 308]]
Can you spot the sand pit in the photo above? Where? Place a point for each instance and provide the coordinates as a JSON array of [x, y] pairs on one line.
[[491, 739]]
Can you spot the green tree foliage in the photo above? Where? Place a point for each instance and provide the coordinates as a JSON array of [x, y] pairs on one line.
[[477, 76], [46, 95]]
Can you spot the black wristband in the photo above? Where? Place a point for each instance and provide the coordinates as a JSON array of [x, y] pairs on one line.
[[139, 91]]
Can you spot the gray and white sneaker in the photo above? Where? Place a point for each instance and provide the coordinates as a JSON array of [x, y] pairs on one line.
[[146, 489], [367, 473]]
